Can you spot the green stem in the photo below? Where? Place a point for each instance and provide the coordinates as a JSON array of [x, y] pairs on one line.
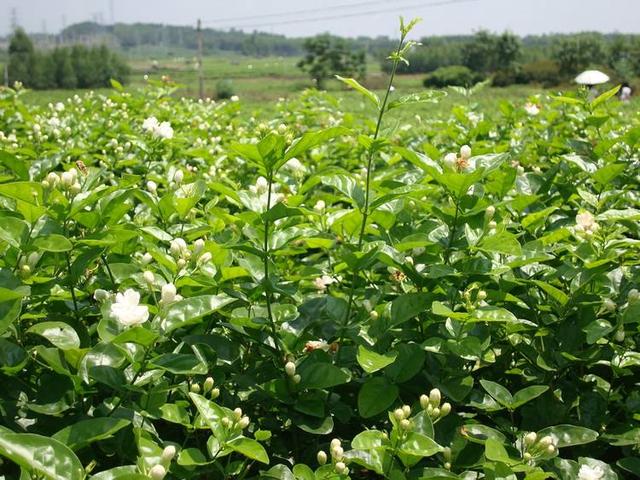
[[103, 257], [452, 234], [367, 193], [267, 284], [72, 285]]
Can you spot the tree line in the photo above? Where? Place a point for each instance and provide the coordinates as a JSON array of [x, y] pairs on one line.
[[63, 67]]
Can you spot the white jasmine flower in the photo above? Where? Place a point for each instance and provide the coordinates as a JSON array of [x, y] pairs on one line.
[[590, 473], [127, 308], [465, 152], [319, 206], [150, 124], [59, 106], [178, 176], [234, 98], [586, 223], [532, 109], [450, 160], [321, 344], [164, 130], [294, 165], [198, 245], [321, 283], [261, 185], [149, 277], [147, 258], [178, 247], [152, 187]]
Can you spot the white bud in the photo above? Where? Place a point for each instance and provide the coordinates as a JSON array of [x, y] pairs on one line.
[[152, 187], [398, 413], [340, 468], [100, 295], [406, 409], [243, 422], [322, 457], [158, 472], [490, 212], [181, 263], [337, 453], [296, 379], [633, 295], [147, 258], [195, 388], [178, 177], [482, 295], [405, 424], [465, 152], [225, 422], [168, 293], [608, 305], [619, 335], [492, 225], [149, 277], [205, 257], [445, 409], [424, 401], [237, 413], [551, 449], [374, 315], [168, 453], [290, 369], [530, 438], [215, 393], [319, 206], [546, 441], [527, 456], [207, 385], [335, 443], [450, 160], [435, 397], [198, 245]]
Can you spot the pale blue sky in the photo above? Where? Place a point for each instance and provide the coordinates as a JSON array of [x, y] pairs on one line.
[[440, 16]]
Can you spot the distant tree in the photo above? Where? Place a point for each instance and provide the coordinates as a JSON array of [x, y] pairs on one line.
[[508, 50], [577, 52], [65, 73], [21, 58], [44, 71], [478, 54], [327, 56]]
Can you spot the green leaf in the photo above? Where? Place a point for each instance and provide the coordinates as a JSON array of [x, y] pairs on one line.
[[375, 396], [371, 361], [494, 450], [429, 96], [180, 364], [17, 166], [85, 432], [322, 375], [527, 394], [502, 242], [60, 334], [249, 448], [211, 414], [408, 306], [191, 310], [419, 445], [53, 243], [497, 391], [40, 455], [353, 83], [569, 435], [116, 84], [192, 457], [603, 97]]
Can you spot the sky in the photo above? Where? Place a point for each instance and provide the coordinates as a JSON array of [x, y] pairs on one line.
[[341, 17]]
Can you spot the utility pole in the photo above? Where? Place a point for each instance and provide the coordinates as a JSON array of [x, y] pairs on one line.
[[200, 77]]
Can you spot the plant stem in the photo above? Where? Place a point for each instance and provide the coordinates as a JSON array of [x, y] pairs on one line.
[[73, 293], [267, 284], [452, 234], [106, 265], [367, 193]]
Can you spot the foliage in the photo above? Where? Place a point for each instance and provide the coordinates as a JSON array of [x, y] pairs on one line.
[[75, 67], [327, 56], [224, 89], [190, 290], [455, 75]]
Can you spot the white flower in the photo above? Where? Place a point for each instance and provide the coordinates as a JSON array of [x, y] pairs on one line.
[[261, 185], [150, 124], [450, 160], [321, 283], [590, 473], [59, 106], [198, 245], [319, 206], [586, 223], [127, 308], [178, 176], [234, 98], [532, 109], [149, 277], [294, 165], [164, 130], [312, 345], [168, 294], [147, 258], [465, 152]]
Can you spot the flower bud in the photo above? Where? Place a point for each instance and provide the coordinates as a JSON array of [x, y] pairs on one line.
[[181, 263], [633, 295], [335, 443], [100, 295], [435, 412], [147, 258], [341, 468], [551, 449], [149, 277], [447, 465], [152, 187], [157, 472], [398, 413], [198, 245], [207, 385], [465, 152], [405, 424], [205, 257], [237, 413], [337, 453], [290, 369], [243, 422], [445, 409], [374, 315], [546, 441], [322, 457], [527, 456], [424, 401], [178, 177], [25, 269], [225, 422], [482, 295], [489, 212], [215, 393], [168, 453], [319, 206], [435, 397], [608, 305], [168, 293], [450, 160], [446, 453], [492, 225], [296, 379], [530, 438], [619, 335], [406, 409], [195, 388]]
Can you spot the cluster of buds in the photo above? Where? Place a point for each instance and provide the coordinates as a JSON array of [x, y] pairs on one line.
[[238, 421], [337, 457], [586, 224], [431, 404], [290, 370], [535, 447], [180, 251], [67, 181], [461, 162], [402, 415], [159, 471], [446, 454], [207, 388], [28, 263]]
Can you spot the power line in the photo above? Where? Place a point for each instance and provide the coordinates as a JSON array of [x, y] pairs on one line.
[[296, 12], [358, 14]]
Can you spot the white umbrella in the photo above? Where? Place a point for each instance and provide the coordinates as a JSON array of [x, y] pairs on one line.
[[592, 77]]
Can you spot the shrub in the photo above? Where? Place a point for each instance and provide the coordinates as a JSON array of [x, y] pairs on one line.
[[455, 75], [545, 72], [224, 89]]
